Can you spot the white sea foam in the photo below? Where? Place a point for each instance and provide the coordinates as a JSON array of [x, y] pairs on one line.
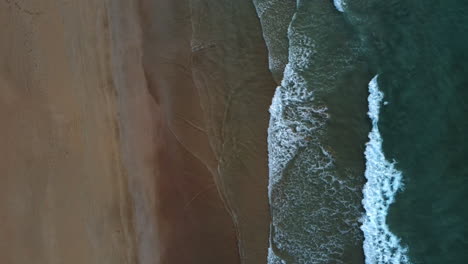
[[293, 120], [339, 5], [383, 181]]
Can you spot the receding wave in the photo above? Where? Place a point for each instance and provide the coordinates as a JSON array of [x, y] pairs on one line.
[[383, 181], [306, 194], [275, 16], [315, 204]]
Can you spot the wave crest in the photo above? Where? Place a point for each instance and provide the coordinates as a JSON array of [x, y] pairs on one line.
[[383, 181]]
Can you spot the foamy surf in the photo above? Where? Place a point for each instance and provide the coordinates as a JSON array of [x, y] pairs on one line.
[[381, 246], [315, 208], [339, 5]]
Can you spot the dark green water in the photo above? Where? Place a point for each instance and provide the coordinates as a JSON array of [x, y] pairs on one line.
[[318, 130], [316, 137], [420, 50]]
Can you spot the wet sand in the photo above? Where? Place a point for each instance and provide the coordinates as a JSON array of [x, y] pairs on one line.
[[133, 132]]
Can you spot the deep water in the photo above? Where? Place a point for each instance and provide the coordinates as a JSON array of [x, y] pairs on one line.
[[420, 51]]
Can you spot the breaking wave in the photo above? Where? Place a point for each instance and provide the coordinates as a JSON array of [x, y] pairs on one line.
[[383, 181]]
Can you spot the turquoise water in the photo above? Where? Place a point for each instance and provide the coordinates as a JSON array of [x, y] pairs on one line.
[[368, 133]]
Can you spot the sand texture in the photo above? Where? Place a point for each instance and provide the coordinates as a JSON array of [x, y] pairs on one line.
[[133, 131]]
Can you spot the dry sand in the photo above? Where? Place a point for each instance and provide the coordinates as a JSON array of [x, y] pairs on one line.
[[133, 132], [64, 195]]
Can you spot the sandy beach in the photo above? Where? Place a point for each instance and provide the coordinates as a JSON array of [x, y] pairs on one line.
[[133, 132]]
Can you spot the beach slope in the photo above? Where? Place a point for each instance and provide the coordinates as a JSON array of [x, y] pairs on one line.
[[133, 132]]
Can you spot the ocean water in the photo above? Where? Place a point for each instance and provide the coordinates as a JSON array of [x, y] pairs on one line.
[[383, 181], [317, 133], [419, 49], [368, 132]]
